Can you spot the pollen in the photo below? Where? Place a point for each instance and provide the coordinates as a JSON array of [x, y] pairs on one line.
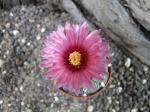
[[75, 58]]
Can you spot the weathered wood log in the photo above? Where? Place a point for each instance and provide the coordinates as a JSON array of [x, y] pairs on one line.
[[118, 23], [140, 9], [76, 14]]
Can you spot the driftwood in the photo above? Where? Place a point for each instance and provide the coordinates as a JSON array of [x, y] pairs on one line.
[[125, 23], [141, 11]]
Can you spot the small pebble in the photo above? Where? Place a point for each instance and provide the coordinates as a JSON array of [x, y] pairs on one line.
[[7, 25], [17, 100], [17, 25], [4, 72], [112, 54], [109, 100], [11, 14], [145, 68], [38, 25], [21, 88], [111, 86], [1, 63], [31, 20], [23, 8], [25, 63], [113, 110], [23, 40], [116, 101], [7, 52], [9, 105], [134, 110], [3, 31], [144, 81], [90, 108], [42, 100], [22, 103], [28, 105], [119, 83], [38, 37], [19, 40], [43, 30], [131, 69], [38, 84], [28, 44], [56, 99], [15, 32], [4, 56], [119, 89], [1, 102], [128, 62], [52, 105], [16, 89], [28, 110], [102, 84]]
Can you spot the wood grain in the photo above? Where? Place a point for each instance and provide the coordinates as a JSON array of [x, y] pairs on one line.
[[118, 23]]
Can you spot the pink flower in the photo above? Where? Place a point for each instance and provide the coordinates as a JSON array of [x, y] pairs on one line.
[[74, 57]]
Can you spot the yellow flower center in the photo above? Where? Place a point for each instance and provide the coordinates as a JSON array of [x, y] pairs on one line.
[[75, 58]]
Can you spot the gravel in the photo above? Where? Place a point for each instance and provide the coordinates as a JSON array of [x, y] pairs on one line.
[[24, 89]]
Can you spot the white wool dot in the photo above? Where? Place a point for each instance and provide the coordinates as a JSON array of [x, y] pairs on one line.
[[102, 84], [109, 65]]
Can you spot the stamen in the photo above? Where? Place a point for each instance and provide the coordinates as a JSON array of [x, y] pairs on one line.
[[75, 58]]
